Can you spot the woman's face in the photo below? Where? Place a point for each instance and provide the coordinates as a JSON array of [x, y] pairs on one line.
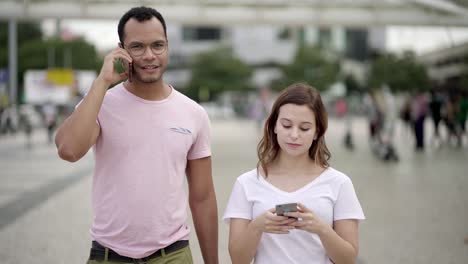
[[295, 129]]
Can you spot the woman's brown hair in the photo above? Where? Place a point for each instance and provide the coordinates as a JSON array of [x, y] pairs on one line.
[[298, 94]]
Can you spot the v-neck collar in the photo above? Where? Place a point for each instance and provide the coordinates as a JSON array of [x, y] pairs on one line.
[[316, 180]]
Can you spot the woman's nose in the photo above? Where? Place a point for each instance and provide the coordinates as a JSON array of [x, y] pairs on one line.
[[294, 133]]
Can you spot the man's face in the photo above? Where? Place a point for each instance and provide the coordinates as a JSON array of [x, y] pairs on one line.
[[147, 45]]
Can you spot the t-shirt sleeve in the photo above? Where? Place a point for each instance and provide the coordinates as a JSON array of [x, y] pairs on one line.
[[78, 104], [238, 205], [202, 146], [347, 205]]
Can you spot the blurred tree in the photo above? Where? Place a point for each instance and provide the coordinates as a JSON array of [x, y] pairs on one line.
[[310, 65], [352, 85], [216, 71], [76, 54], [26, 31], [400, 73]]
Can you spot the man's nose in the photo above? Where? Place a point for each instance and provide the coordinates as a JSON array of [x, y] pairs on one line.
[[148, 54]]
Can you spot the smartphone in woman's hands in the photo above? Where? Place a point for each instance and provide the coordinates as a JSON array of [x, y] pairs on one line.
[[286, 208]]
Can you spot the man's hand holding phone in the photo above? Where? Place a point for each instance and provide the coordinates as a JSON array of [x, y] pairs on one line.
[[111, 71]]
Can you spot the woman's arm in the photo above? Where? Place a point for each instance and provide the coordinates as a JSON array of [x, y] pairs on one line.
[[243, 240], [245, 235], [341, 241]]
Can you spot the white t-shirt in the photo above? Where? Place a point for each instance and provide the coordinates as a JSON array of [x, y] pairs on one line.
[[330, 196]]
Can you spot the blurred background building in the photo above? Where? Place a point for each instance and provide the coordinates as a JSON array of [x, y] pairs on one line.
[[263, 34]]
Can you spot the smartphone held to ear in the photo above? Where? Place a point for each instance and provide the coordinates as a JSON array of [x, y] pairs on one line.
[[119, 66], [130, 72], [286, 208]]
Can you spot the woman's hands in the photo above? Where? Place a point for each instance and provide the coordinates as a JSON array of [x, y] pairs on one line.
[[303, 219], [308, 221], [109, 74], [269, 222]]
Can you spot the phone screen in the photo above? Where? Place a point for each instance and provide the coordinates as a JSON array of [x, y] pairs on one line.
[[285, 208]]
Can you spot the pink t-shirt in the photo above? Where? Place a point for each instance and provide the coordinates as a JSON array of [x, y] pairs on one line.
[[139, 197]]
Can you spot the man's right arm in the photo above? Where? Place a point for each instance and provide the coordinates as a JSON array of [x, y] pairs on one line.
[[80, 130]]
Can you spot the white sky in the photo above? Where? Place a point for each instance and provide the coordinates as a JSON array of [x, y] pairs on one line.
[[103, 34], [424, 39]]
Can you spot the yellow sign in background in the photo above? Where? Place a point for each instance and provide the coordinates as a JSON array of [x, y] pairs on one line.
[[60, 77]]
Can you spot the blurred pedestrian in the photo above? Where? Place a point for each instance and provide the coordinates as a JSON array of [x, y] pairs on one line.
[[419, 111], [26, 125], [4, 102], [321, 222], [9, 120], [449, 115], [435, 107], [261, 107], [374, 115], [388, 150], [405, 115], [342, 112], [148, 138], [383, 124], [462, 115], [50, 111]]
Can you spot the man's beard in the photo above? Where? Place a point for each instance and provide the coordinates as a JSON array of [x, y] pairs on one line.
[[150, 79], [147, 79]]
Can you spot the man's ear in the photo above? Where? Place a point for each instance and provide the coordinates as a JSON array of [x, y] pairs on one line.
[[120, 45]]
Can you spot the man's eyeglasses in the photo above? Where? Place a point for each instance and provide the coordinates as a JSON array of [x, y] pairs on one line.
[[138, 49]]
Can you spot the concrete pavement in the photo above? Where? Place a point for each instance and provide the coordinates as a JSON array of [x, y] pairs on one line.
[[416, 209]]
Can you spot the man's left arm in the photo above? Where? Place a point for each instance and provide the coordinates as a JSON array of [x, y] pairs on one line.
[[202, 200]]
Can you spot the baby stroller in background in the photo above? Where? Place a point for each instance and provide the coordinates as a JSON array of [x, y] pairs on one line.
[[382, 116], [382, 142]]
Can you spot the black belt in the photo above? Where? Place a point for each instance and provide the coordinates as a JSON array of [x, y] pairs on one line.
[[98, 253]]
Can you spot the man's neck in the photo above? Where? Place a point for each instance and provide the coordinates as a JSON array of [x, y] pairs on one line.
[[149, 91]]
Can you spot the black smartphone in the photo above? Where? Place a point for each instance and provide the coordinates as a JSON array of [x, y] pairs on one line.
[[130, 72], [120, 68], [286, 208]]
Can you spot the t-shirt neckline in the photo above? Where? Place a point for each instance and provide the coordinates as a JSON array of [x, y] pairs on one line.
[[317, 179], [133, 96]]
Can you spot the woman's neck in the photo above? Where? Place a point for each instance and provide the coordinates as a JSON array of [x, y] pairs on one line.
[[294, 165]]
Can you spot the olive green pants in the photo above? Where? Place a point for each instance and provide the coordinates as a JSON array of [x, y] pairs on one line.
[[181, 256]]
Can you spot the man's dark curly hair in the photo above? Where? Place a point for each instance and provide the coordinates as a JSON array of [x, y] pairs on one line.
[[141, 14]]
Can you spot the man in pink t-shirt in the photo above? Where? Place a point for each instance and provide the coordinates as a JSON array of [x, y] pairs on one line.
[[147, 137]]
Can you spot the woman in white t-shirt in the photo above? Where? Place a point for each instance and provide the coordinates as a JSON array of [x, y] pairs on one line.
[[293, 168]]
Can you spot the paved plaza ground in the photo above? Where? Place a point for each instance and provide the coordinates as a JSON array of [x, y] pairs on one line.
[[416, 209]]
